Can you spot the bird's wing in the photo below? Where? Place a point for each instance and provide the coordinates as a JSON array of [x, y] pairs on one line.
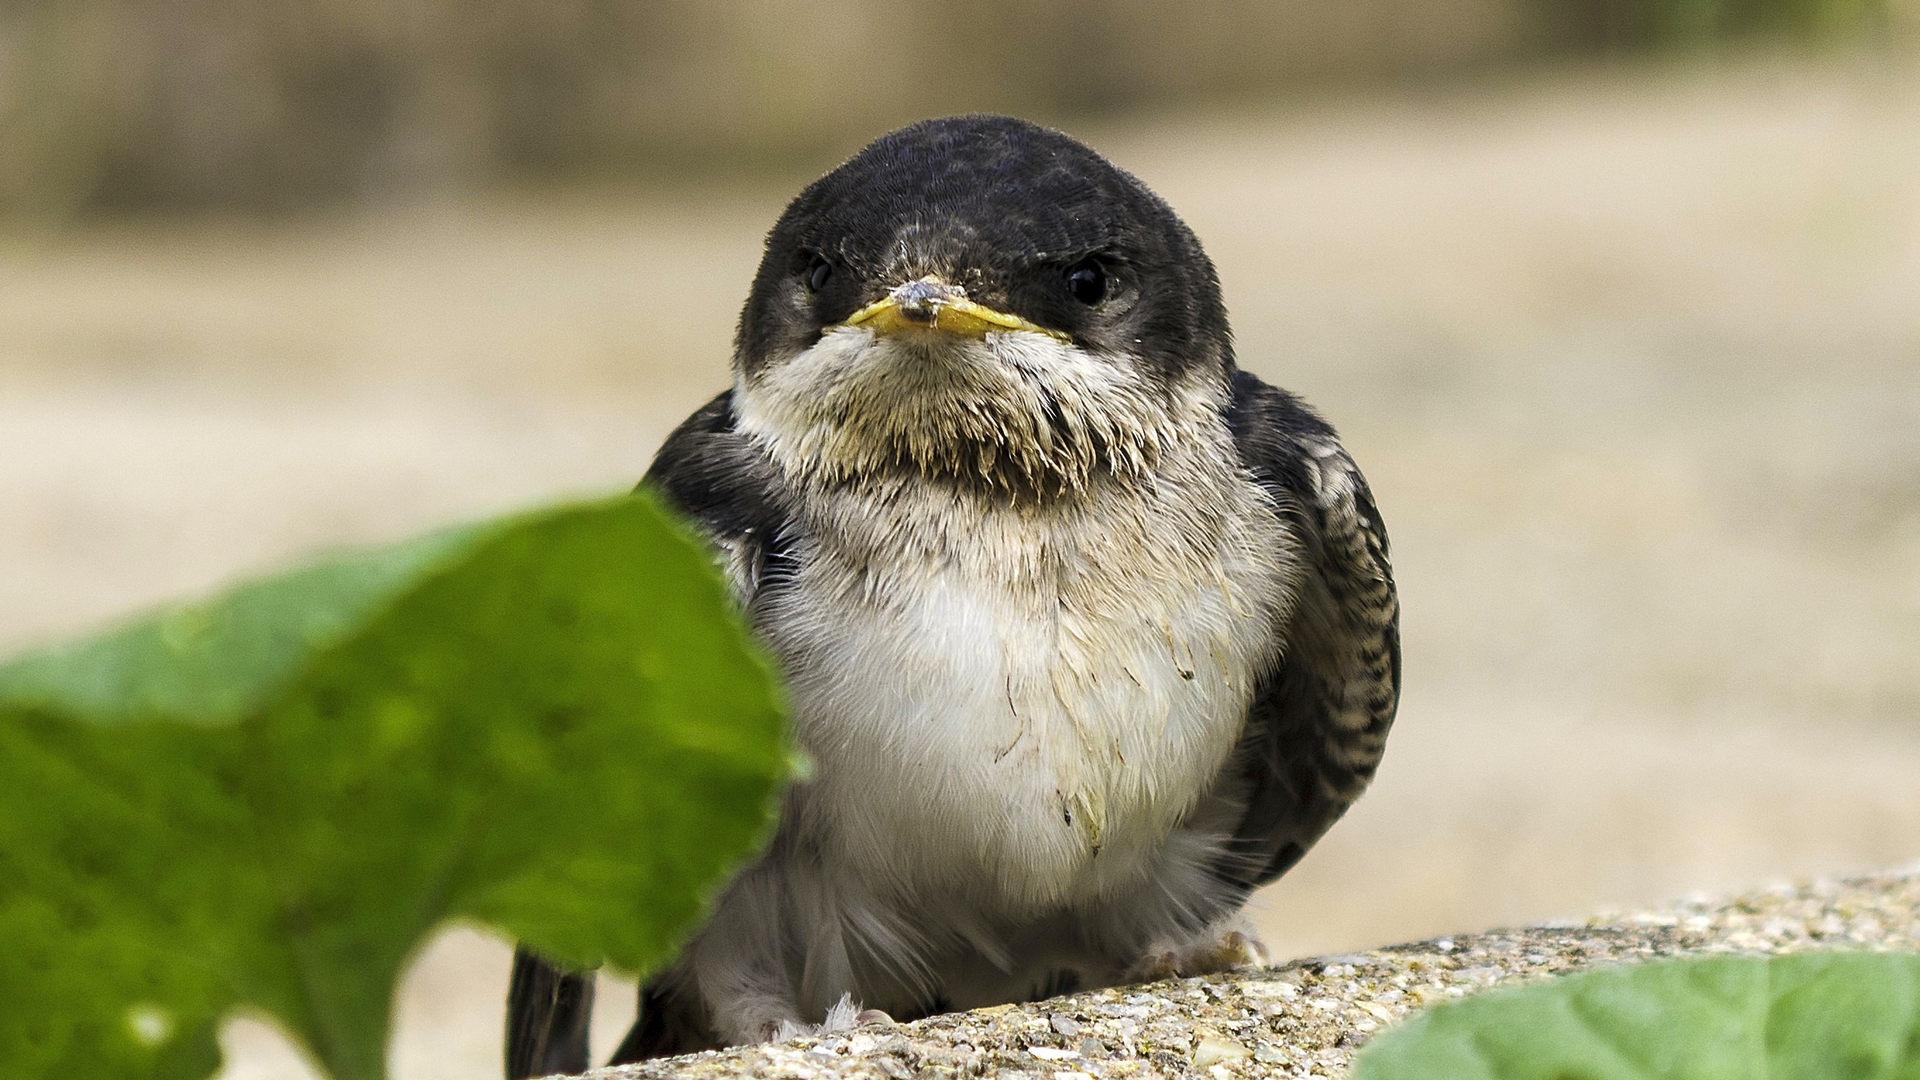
[[1319, 720], [547, 1015], [709, 473]]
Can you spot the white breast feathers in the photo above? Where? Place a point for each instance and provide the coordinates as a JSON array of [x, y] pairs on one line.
[[1019, 703]]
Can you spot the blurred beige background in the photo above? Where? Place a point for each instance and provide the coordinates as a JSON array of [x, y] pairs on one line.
[[1627, 340]]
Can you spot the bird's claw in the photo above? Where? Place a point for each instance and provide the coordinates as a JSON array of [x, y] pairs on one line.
[[843, 1016], [1230, 951]]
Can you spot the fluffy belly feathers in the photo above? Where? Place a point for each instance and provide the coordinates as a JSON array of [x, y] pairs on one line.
[[1039, 746]]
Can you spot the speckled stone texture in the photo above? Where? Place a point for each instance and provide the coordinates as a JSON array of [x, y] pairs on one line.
[[1307, 1018]]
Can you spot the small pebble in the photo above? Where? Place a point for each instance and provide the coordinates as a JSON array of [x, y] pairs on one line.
[[1269, 1054], [1270, 988], [1212, 1048]]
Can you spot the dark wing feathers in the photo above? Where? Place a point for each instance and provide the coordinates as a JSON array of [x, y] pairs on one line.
[[547, 1015], [1318, 724], [710, 472]]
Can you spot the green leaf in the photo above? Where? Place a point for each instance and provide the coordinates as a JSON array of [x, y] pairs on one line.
[[554, 725], [1810, 1016]]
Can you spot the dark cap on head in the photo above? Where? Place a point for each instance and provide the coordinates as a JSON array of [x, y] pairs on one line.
[[1026, 219]]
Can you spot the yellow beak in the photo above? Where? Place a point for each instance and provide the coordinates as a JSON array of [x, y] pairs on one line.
[[932, 304]]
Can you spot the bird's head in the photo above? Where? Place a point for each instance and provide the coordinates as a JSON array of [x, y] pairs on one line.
[[982, 301]]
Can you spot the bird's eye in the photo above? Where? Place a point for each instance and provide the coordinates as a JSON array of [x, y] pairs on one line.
[[819, 272], [1087, 282]]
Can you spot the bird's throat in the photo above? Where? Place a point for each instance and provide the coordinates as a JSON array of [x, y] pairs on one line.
[[1021, 416]]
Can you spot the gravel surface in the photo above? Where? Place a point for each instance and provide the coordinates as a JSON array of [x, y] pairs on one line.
[[1308, 1017]]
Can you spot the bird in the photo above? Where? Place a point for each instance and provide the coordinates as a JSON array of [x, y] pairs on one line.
[[1087, 632]]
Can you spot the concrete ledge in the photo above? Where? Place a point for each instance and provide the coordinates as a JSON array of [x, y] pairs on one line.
[[1307, 1017]]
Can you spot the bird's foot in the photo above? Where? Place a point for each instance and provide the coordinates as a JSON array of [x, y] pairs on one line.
[[1235, 948], [845, 1015]]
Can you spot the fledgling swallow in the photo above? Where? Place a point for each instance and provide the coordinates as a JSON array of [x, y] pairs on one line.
[[1087, 632]]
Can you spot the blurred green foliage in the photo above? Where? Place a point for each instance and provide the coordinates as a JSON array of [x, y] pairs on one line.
[[134, 105], [1640, 24], [1814, 1016], [554, 725]]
